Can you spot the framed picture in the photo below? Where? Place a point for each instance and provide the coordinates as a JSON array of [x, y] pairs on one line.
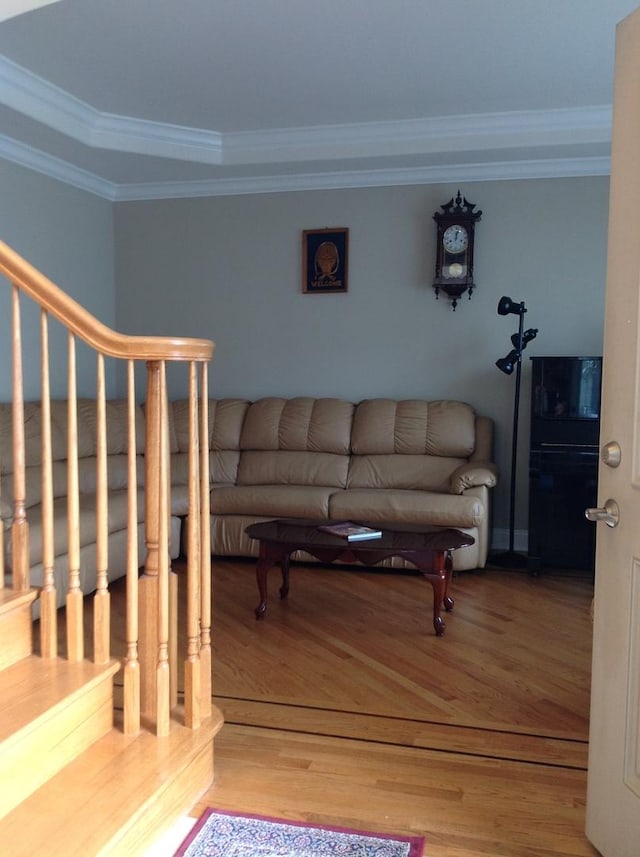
[[325, 257]]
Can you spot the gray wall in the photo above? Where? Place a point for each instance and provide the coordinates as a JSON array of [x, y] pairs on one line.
[[230, 269], [68, 235]]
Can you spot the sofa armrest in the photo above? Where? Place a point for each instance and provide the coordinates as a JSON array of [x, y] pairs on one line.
[[471, 474]]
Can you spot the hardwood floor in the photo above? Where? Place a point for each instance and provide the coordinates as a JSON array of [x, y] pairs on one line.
[[342, 707]]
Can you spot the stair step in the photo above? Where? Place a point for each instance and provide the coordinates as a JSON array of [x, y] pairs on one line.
[[117, 796], [15, 625], [52, 710]]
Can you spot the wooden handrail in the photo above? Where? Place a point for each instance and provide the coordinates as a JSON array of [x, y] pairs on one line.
[[87, 327], [150, 663]]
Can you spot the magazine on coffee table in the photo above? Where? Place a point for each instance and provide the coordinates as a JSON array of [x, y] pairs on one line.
[[350, 531]]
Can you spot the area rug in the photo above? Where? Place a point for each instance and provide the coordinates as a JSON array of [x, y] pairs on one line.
[[229, 834]]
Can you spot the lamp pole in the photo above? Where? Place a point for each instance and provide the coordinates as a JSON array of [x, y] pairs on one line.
[[514, 448], [511, 559]]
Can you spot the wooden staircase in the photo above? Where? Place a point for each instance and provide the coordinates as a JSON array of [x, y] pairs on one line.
[[81, 773], [71, 782]]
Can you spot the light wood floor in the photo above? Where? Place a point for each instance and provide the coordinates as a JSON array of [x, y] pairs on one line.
[[342, 707]]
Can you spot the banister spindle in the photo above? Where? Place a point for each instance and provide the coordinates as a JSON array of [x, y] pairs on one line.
[[148, 583], [132, 663], [206, 688], [48, 611], [20, 526], [192, 681], [75, 631], [102, 598], [163, 674]]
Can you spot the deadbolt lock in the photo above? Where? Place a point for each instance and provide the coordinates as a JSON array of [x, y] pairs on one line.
[[611, 454]]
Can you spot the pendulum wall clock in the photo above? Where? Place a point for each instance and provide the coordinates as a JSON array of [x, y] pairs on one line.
[[454, 248]]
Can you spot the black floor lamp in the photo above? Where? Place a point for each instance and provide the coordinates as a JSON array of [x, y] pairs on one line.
[[513, 360]]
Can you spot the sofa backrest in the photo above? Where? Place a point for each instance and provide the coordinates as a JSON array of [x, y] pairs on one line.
[[382, 443], [412, 444], [298, 441], [226, 418], [117, 416]]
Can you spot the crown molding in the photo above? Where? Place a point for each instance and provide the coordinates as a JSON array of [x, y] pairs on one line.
[[473, 132], [60, 170], [40, 100], [55, 168], [452, 173], [43, 102]]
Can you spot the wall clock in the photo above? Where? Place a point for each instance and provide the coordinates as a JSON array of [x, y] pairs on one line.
[[454, 249]]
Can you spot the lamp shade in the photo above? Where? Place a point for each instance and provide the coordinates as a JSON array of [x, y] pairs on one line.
[[506, 306], [507, 364]]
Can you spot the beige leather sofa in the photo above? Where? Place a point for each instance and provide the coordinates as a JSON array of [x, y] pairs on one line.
[[379, 460]]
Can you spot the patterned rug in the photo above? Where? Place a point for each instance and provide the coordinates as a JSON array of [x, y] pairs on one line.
[[227, 834]]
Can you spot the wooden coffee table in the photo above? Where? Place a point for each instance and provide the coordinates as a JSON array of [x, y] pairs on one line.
[[429, 549]]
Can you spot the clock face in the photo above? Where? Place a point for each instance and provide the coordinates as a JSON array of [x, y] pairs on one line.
[[455, 239]]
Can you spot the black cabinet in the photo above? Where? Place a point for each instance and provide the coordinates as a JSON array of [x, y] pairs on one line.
[[563, 461], [563, 482]]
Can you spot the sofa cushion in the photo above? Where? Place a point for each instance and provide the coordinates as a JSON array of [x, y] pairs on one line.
[[117, 478], [117, 520], [33, 485], [417, 472], [293, 468], [225, 419], [299, 424], [223, 467], [271, 501], [413, 427], [116, 430], [32, 435], [410, 507]]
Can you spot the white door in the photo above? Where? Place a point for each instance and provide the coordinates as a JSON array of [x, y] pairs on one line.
[[613, 799]]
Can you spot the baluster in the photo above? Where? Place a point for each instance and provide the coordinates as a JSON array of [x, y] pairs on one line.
[[48, 606], [148, 584], [192, 680], [75, 634], [163, 682], [132, 664], [152, 608], [20, 526], [205, 554], [173, 578], [102, 597]]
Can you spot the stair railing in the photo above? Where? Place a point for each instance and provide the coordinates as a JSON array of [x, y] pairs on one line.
[[150, 662]]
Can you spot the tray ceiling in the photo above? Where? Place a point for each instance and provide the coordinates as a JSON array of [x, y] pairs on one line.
[[158, 98]]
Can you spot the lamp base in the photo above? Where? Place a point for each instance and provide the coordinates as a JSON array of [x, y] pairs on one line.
[[508, 559]]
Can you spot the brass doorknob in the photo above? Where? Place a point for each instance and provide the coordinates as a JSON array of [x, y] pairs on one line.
[[609, 513]]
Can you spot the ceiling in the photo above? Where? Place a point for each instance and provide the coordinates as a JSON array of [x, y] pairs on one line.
[[162, 98]]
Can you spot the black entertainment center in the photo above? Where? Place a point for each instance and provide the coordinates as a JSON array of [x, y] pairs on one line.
[[563, 461]]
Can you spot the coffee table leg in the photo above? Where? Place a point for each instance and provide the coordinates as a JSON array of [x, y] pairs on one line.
[[437, 569], [284, 564], [262, 568], [448, 567], [270, 555], [439, 589]]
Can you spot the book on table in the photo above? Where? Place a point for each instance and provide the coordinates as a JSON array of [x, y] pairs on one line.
[[350, 531]]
